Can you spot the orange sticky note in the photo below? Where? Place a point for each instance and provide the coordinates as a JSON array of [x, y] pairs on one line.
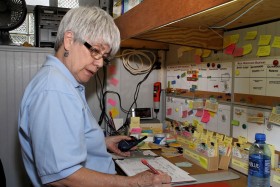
[[115, 112]]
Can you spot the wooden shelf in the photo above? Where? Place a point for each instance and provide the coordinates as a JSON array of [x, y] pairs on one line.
[[188, 22]]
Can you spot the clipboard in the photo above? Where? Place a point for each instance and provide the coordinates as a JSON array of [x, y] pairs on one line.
[[133, 166]]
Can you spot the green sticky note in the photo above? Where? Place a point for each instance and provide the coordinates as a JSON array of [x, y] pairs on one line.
[[235, 122]]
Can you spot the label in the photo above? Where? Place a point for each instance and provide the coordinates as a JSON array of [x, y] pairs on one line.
[[259, 165], [160, 139]]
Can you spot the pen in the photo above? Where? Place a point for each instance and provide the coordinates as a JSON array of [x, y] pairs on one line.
[[145, 162]]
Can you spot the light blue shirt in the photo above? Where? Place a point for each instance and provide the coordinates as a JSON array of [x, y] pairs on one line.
[[57, 131]]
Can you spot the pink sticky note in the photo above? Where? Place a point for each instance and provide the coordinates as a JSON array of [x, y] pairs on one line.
[[238, 52], [229, 49], [199, 113], [197, 59], [185, 114], [114, 81], [112, 69], [169, 111], [112, 102], [206, 117]]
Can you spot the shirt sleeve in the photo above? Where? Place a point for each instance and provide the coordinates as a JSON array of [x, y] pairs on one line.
[[57, 131]]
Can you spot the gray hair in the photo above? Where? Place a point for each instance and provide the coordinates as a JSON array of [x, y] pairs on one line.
[[91, 24]]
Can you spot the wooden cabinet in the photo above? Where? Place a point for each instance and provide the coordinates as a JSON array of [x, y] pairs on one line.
[[195, 23]]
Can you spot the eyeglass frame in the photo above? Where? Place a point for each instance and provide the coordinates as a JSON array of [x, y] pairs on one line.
[[98, 53]]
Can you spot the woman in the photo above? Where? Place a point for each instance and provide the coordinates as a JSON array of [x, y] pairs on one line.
[[62, 144]]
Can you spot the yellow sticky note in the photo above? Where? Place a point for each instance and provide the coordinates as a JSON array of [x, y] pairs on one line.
[[234, 38], [203, 138], [203, 162], [276, 179], [209, 134], [242, 140], [247, 49], [134, 122], [196, 134], [228, 140], [199, 128], [219, 137], [190, 102], [276, 42], [195, 122], [251, 35], [198, 52], [206, 53], [115, 112], [264, 39], [212, 114], [263, 51], [226, 41], [181, 50]]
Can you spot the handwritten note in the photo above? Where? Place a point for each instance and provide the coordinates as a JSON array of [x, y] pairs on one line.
[[264, 40], [134, 166]]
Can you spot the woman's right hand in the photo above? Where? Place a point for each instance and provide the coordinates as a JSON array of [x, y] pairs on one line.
[[149, 179]]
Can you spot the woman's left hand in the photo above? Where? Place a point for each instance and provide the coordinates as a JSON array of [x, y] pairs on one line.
[[112, 144]]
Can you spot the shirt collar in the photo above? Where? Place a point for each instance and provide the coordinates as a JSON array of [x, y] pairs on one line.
[[53, 61]]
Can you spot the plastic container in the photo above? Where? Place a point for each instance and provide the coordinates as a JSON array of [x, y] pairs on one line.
[[259, 163], [160, 139]]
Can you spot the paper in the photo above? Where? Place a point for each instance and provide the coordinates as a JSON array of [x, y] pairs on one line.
[[112, 102], [251, 35], [247, 49], [229, 49], [181, 50], [264, 40], [206, 53], [118, 123], [263, 51], [276, 42], [132, 167]]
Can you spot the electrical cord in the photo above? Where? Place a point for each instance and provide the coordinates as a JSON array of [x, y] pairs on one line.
[[128, 55], [223, 26], [126, 58]]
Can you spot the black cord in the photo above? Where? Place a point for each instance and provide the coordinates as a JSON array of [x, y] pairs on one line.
[[102, 100], [137, 93]]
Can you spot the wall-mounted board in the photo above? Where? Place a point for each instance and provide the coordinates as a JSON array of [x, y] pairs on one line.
[[251, 120]]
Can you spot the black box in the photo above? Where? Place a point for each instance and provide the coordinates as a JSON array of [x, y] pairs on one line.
[[47, 20]]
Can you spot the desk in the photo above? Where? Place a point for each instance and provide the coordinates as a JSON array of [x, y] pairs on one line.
[[196, 170]]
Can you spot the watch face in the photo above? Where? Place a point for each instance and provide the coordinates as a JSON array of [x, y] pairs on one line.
[[144, 113]]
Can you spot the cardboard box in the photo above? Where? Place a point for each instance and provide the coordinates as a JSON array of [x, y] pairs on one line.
[[208, 163]]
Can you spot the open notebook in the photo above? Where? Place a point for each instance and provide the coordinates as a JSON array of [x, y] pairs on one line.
[[132, 166]]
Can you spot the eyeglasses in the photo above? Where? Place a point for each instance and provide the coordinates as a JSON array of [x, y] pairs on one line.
[[96, 54]]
